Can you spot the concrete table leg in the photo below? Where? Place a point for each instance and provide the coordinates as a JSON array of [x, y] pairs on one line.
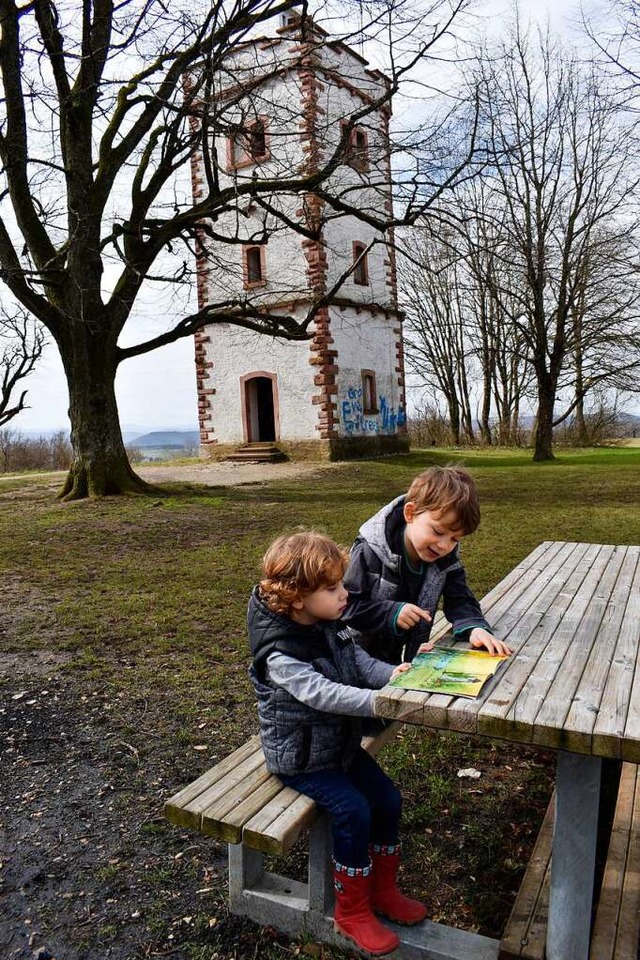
[[574, 854]]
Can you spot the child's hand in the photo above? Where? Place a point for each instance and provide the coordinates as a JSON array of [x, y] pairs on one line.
[[401, 668], [479, 637], [425, 647], [410, 614]]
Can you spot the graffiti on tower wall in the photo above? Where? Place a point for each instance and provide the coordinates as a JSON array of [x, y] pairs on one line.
[[356, 421]]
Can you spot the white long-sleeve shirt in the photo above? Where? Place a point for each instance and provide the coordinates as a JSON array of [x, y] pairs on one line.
[[308, 686]]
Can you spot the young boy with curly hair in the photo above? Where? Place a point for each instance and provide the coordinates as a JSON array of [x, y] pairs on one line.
[[313, 686], [406, 558]]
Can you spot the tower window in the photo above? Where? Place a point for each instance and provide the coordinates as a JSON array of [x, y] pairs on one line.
[[357, 148], [254, 266], [361, 265], [290, 19], [369, 393], [248, 144], [257, 140]]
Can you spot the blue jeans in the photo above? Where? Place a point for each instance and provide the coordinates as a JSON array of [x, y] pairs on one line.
[[364, 803]]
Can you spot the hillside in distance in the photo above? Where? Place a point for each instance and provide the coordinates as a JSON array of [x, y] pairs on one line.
[[166, 439]]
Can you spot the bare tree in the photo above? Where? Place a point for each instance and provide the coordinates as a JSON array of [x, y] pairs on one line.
[[559, 170], [604, 333], [492, 310], [437, 349], [21, 343], [102, 107], [618, 43], [461, 338], [531, 269]]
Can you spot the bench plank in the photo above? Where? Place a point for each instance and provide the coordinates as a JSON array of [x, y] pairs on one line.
[[629, 920], [275, 833], [617, 927], [240, 801], [526, 929], [616, 932], [175, 809], [220, 795]]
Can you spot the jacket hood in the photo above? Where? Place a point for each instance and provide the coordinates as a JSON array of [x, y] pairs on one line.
[[384, 528]]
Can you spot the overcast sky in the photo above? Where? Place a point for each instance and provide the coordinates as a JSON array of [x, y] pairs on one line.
[[158, 390]]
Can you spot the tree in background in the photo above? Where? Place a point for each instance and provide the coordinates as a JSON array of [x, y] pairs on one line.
[[560, 171], [545, 242], [618, 43], [460, 336], [21, 343], [438, 350], [102, 106]]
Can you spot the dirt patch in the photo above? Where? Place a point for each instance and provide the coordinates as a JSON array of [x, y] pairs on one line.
[[227, 473], [91, 870], [222, 473], [38, 663]]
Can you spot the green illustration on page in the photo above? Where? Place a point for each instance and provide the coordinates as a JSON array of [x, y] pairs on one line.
[[454, 672]]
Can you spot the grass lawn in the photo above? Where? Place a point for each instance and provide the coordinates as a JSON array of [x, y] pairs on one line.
[[123, 675]]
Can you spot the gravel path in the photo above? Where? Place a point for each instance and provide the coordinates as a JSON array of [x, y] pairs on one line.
[[226, 473], [221, 473]]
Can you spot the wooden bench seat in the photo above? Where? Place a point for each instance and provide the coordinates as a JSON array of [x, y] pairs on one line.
[[239, 801], [617, 925], [526, 929], [616, 930]]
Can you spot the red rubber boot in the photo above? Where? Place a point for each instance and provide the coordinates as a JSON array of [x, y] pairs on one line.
[[353, 916], [386, 899]]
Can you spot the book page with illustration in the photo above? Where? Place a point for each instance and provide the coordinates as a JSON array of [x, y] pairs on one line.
[[450, 670]]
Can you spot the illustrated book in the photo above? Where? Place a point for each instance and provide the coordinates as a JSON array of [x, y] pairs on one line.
[[450, 670]]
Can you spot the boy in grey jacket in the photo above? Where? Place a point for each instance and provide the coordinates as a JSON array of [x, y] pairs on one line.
[[313, 685], [405, 558]]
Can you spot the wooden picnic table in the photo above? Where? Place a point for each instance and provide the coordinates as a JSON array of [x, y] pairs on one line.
[[571, 612]]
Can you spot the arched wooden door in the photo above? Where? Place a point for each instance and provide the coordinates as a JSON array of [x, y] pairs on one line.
[[260, 407]]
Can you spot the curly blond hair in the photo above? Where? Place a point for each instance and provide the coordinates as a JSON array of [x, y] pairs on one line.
[[297, 564]]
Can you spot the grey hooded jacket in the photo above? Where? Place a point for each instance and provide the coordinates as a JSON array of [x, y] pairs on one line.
[[296, 735], [378, 589]]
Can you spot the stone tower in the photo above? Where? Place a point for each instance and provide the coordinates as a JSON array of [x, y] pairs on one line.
[[289, 102]]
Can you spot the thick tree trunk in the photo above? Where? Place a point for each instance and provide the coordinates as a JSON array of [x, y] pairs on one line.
[[100, 464], [543, 444], [454, 420], [582, 434]]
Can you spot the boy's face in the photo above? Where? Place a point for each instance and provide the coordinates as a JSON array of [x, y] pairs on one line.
[[430, 534], [327, 603]]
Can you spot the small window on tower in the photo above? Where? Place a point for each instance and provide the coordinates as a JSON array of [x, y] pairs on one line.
[[257, 140], [360, 152], [248, 144], [360, 264], [357, 148], [369, 394], [254, 266]]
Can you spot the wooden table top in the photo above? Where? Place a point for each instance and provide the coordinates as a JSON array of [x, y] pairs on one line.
[[571, 612]]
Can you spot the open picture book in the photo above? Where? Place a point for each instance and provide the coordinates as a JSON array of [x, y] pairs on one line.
[[450, 670]]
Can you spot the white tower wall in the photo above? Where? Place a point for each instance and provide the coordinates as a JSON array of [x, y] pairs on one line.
[[345, 384]]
